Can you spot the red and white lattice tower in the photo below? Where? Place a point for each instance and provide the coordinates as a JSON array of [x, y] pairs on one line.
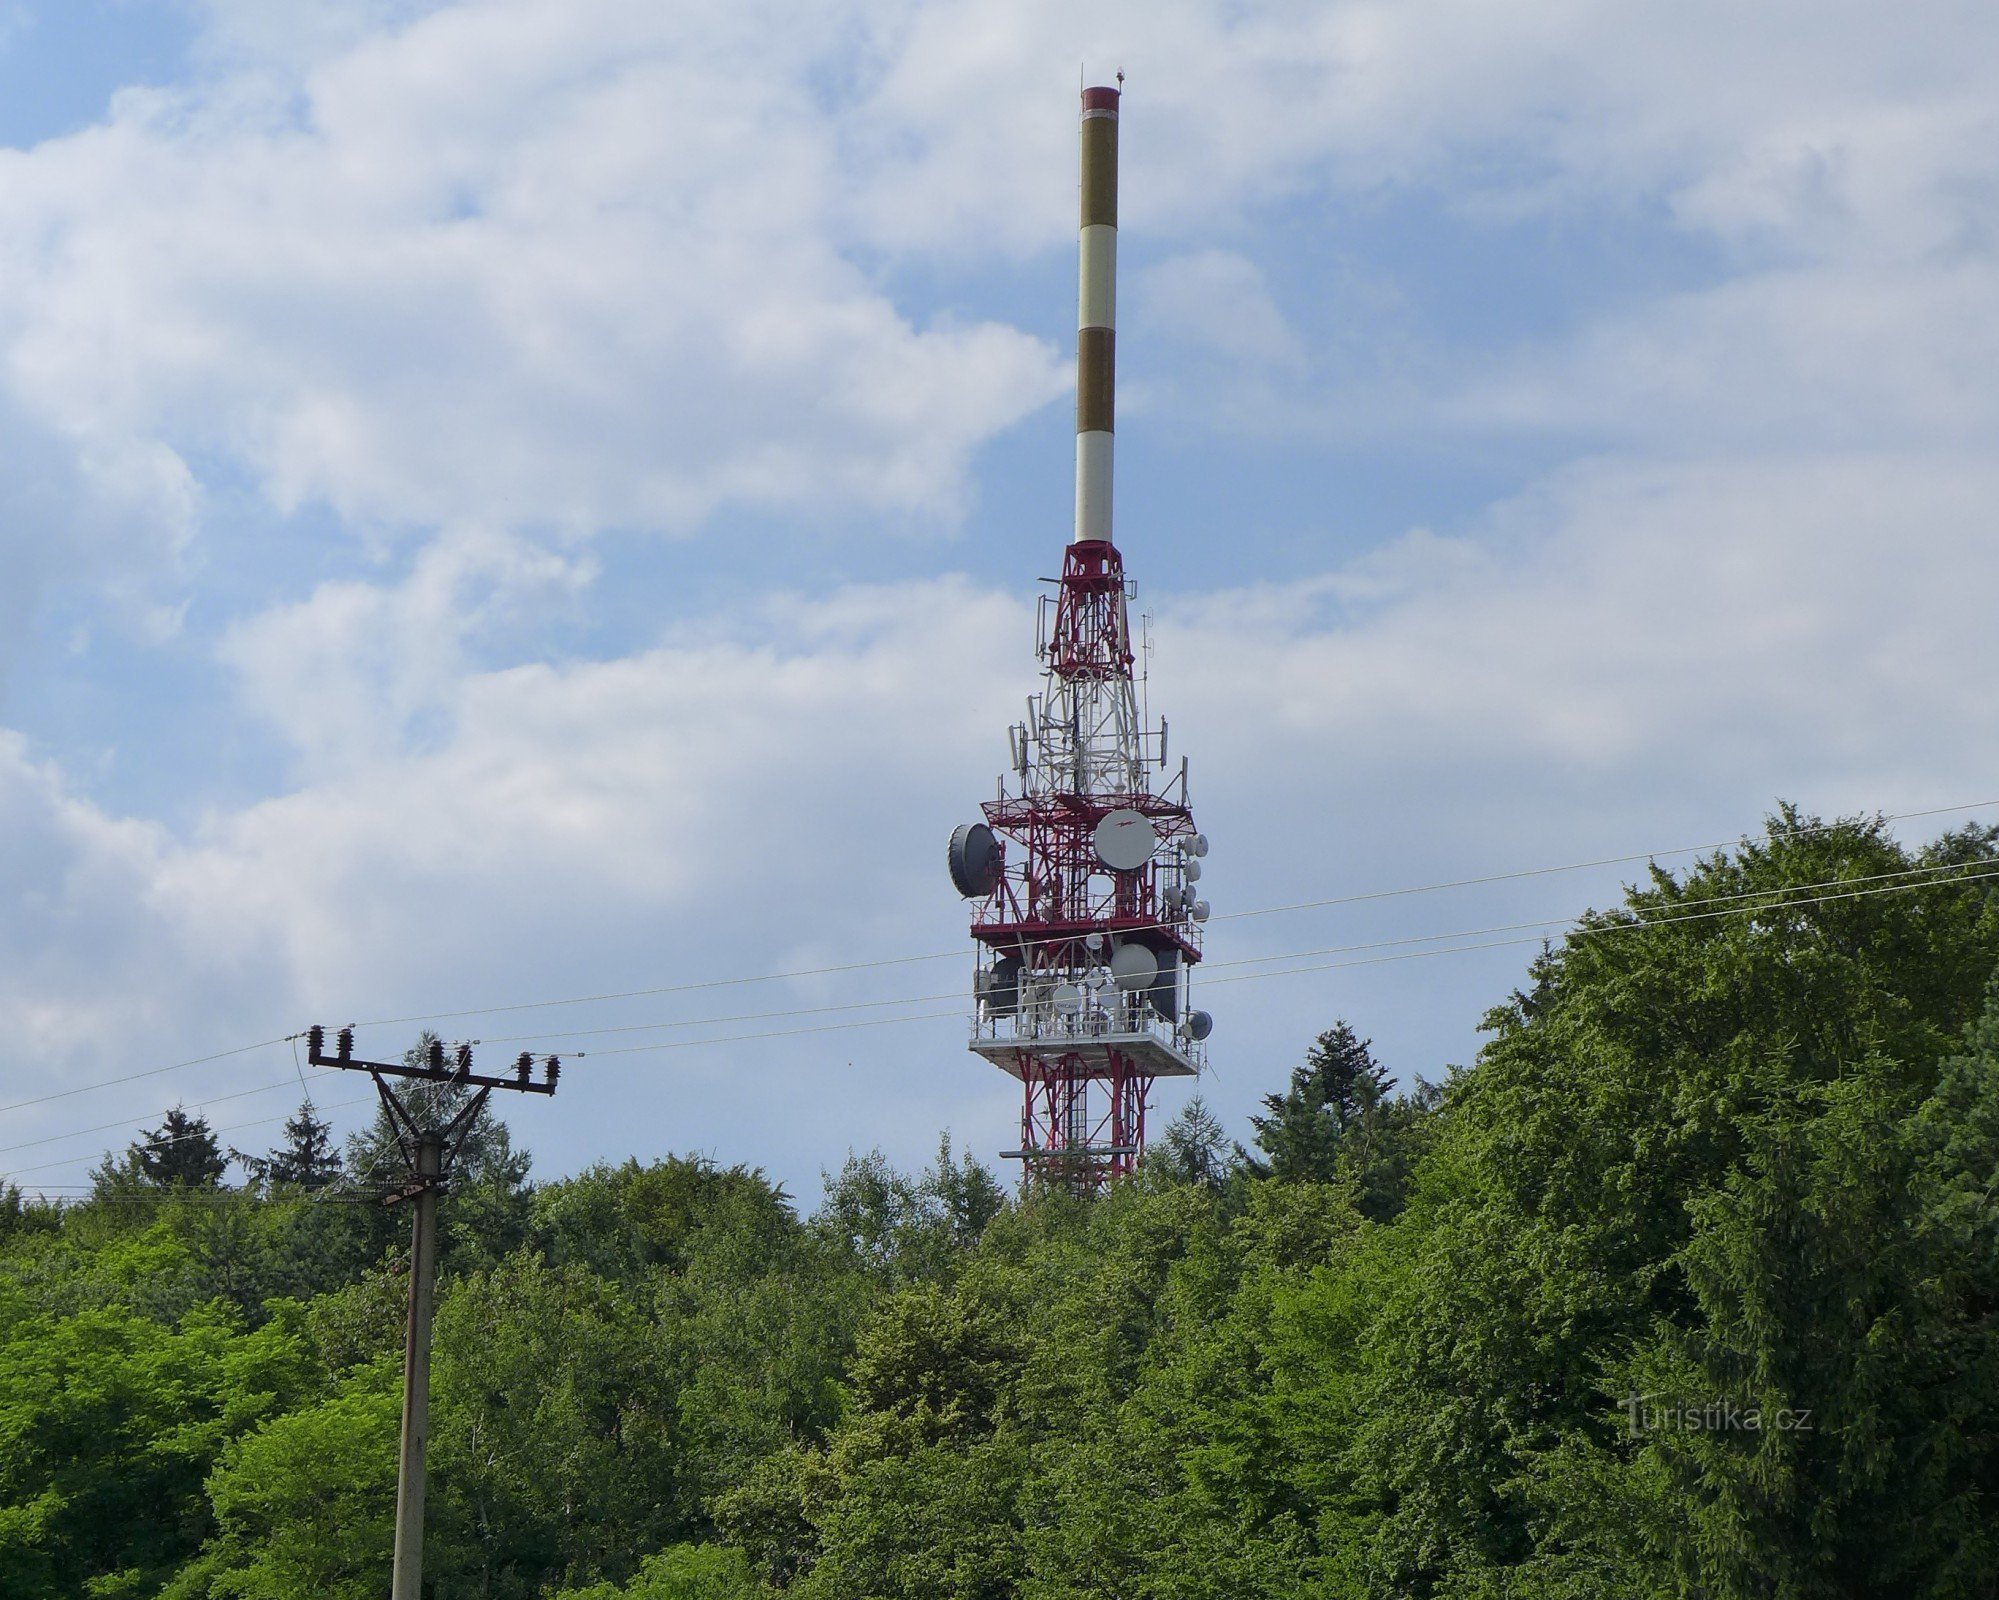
[[1085, 870]]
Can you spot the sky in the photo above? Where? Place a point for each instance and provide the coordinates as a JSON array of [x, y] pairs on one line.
[[510, 503]]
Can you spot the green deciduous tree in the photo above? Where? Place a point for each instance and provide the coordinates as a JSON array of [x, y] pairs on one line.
[[1732, 1153], [906, 1228], [554, 1449], [1679, 1166], [109, 1425], [684, 1572], [306, 1505]]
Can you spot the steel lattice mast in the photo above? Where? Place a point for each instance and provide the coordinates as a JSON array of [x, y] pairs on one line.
[[1088, 923]]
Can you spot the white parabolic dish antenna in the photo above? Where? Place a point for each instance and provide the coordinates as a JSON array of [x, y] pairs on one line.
[[1124, 839], [1133, 967]]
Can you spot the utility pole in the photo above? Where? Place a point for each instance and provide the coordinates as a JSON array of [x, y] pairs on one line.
[[428, 1153], [410, 1479]]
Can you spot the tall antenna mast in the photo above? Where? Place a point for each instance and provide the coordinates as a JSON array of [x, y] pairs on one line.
[[1089, 926], [1096, 317]]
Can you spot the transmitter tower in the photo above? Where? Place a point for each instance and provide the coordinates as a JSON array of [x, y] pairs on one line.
[[1084, 871]]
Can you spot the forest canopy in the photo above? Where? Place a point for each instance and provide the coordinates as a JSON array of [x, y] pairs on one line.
[[1687, 1286]]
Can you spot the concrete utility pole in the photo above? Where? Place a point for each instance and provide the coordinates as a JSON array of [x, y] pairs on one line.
[[410, 1481], [428, 1153]]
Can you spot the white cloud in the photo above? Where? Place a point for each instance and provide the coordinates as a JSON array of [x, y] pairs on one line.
[[1755, 622], [504, 266], [1635, 658], [1228, 105], [1837, 164], [99, 962], [1218, 300], [1631, 658], [511, 272], [1833, 356], [741, 798], [112, 515], [291, 36], [353, 670], [526, 263]]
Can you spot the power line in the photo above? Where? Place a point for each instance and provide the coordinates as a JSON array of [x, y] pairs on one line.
[[706, 1022], [1582, 866], [234, 1127], [671, 988], [959, 954], [1631, 926], [1929, 875], [150, 1072], [1208, 968], [1770, 900], [1769, 904], [126, 1122], [326, 1196], [1303, 905], [1773, 900], [200, 1104]]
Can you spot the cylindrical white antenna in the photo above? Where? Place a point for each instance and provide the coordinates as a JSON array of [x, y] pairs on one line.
[[1096, 316]]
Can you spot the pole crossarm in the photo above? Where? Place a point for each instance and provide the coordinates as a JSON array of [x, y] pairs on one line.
[[436, 1068]]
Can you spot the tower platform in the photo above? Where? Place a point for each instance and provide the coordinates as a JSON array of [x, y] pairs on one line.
[[1075, 1048]]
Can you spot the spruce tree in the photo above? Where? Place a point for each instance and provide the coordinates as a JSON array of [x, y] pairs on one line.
[[1194, 1148], [306, 1160], [1332, 1093], [181, 1153]]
